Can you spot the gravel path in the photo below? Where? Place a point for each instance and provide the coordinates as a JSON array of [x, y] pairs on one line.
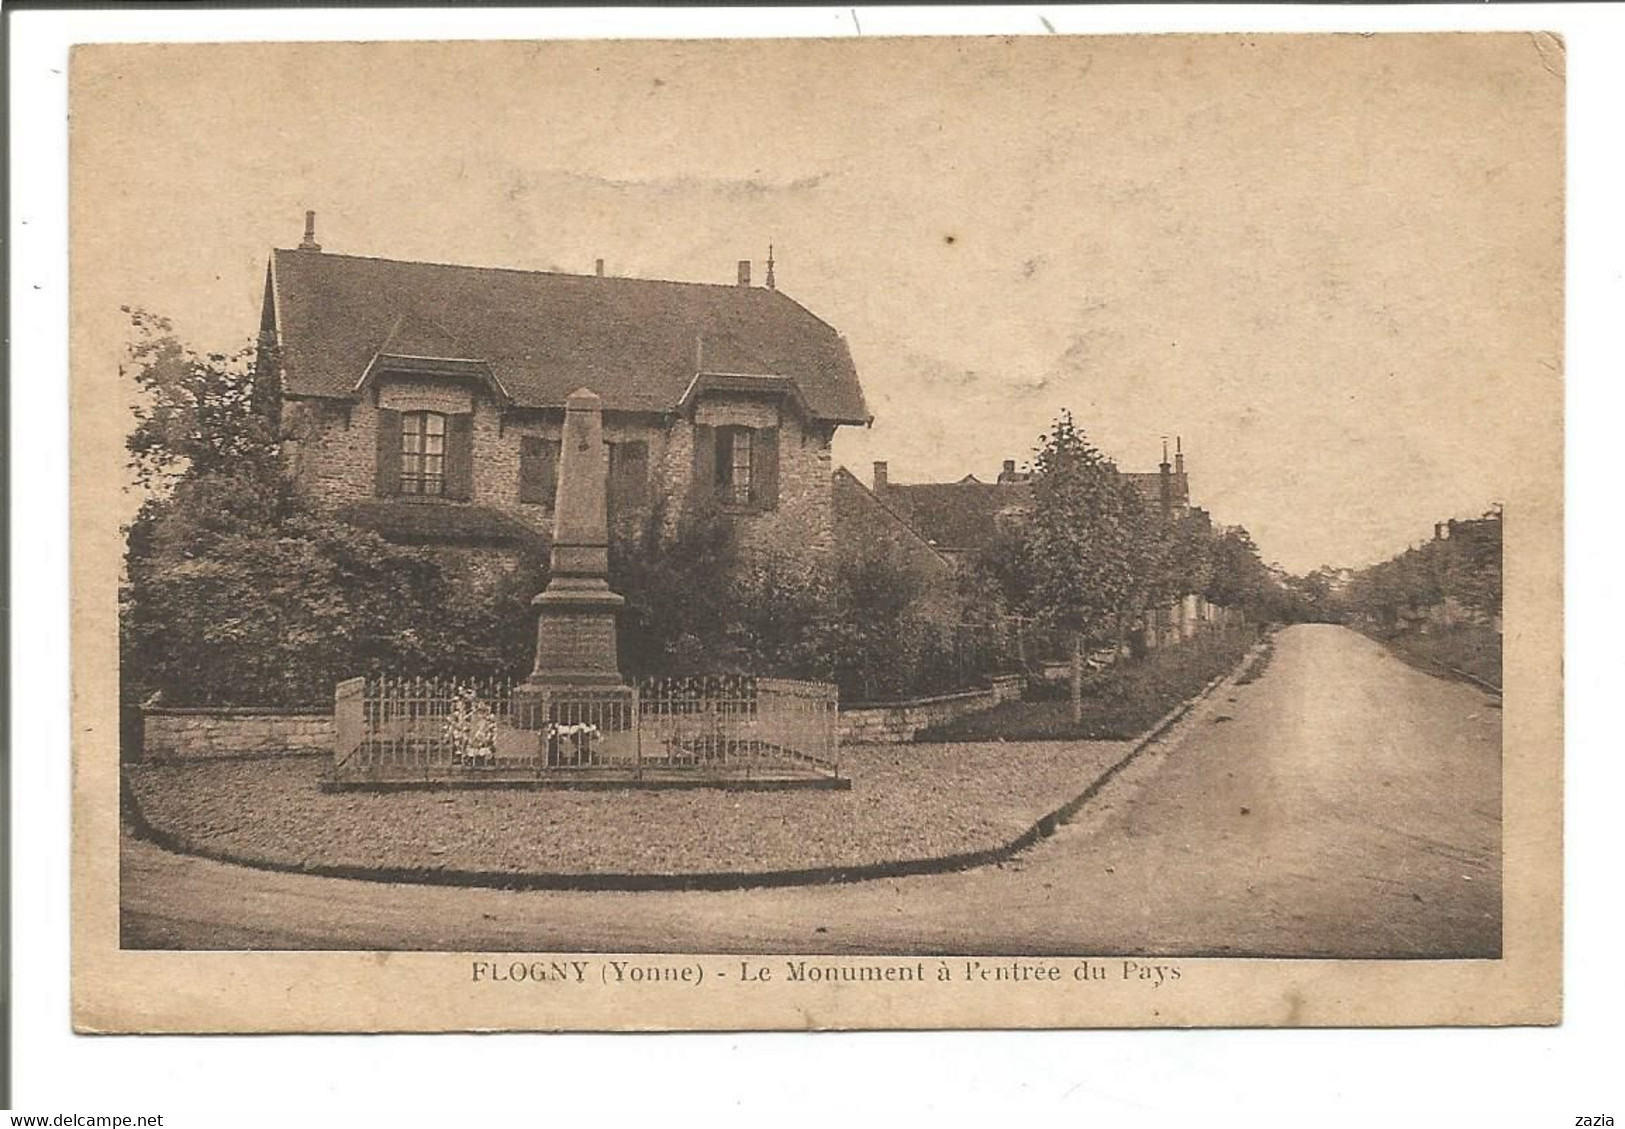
[[906, 802]]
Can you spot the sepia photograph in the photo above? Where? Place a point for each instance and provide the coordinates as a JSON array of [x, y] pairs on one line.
[[1038, 531]]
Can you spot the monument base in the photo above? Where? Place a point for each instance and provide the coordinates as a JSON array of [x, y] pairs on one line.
[[575, 635], [578, 724]]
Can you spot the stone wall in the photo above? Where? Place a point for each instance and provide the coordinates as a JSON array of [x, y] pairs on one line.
[[226, 731], [895, 723], [332, 453], [331, 449], [802, 526], [189, 734]]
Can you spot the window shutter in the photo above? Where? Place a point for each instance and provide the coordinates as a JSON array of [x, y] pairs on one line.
[[552, 450], [460, 456], [764, 471], [629, 474], [389, 453], [538, 470], [705, 460], [628, 478]]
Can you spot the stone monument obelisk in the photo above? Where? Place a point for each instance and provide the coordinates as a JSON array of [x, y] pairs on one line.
[[575, 613]]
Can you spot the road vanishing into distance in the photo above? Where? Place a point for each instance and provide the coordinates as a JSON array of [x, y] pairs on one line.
[[1344, 804]]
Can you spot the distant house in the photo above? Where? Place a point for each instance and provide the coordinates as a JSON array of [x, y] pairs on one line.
[[964, 519], [961, 519], [957, 519], [868, 528], [426, 400]]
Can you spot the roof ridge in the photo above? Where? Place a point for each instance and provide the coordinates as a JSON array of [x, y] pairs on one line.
[[547, 273], [957, 484]]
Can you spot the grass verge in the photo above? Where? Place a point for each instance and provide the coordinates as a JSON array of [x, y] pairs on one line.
[[1471, 650], [1120, 702]]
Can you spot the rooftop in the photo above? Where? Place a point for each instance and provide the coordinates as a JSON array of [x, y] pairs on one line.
[[539, 335]]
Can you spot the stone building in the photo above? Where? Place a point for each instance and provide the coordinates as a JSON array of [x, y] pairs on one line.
[[868, 528], [426, 400], [963, 519], [957, 519], [960, 519]]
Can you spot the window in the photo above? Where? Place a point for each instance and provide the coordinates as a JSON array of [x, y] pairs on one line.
[[738, 465], [734, 464], [628, 485], [423, 453], [538, 470]]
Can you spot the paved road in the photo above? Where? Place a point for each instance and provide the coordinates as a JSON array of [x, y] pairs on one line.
[[1344, 804]]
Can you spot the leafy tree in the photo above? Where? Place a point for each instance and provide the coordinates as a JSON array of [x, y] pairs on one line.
[[1474, 576], [196, 414], [1177, 560], [784, 618], [1090, 545], [880, 636], [1465, 567], [1310, 598], [234, 597], [1239, 577], [237, 592], [666, 568], [1000, 573]]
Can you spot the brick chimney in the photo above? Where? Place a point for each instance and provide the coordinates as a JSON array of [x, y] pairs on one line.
[[1179, 455], [309, 242], [744, 272], [880, 475], [598, 267], [1167, 482]]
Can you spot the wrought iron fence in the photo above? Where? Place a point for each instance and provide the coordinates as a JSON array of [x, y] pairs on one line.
[[445, 730]]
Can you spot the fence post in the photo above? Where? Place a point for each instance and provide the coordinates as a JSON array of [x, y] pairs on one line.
[[636, 721], [832, 727], [348, 702]]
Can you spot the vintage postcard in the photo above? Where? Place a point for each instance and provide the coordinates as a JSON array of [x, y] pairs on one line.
[[781, 534]]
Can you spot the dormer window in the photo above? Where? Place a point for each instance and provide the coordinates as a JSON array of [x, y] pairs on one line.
[[739, 466], [423, 453], [734, 465]]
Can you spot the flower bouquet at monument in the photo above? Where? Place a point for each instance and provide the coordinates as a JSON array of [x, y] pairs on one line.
[[471, 728]]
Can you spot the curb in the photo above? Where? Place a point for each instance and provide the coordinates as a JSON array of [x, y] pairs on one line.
[[1042, 828]]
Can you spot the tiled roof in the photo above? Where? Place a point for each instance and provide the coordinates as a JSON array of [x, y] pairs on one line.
[[863, 520], [962, 516], [638, 343], [957, 516], [1149, 484]]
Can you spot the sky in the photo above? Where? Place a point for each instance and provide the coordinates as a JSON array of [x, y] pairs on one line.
[[1331, 265]]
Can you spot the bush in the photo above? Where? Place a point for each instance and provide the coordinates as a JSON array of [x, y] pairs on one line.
[[240, 594], [237, 595]]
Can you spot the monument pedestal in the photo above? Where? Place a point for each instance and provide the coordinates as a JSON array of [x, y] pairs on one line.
[[575, 634], [575, 684], [576, 678]]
